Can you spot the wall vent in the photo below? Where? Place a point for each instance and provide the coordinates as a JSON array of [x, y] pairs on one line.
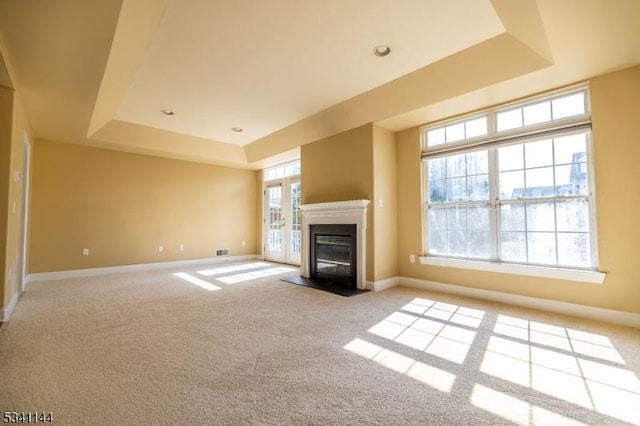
[[222, 252]]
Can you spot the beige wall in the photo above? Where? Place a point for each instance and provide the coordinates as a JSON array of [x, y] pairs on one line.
[[259, 214], [6, 124], [123, 206], [384, 204], [615, 108], [340, 168], [358, 164], [615, 102], [13, 127]]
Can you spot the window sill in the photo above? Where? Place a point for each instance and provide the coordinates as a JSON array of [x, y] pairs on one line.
[[593, 277]]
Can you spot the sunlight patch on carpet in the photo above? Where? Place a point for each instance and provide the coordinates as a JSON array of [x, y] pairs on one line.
[[427, 374], [516, 410], [434, 335], [234, 268], [247, 276], [546, 362], [571, 365], [197, 281]]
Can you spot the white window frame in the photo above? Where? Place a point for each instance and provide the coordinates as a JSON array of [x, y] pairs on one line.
[[490, 142], [284, 172]]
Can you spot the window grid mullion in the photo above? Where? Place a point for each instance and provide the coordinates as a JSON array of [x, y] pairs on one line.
[[526, 226], [494, 214], [555, 201]]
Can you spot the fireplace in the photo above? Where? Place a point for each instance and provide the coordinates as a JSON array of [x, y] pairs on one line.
[[343, 230], [333, 253]]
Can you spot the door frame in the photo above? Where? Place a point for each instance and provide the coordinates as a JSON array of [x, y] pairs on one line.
[[24, 220], [284, 183]]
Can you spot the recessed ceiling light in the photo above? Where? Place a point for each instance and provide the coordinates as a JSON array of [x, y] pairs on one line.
[[167, 112], [236, 129], [382, 50]]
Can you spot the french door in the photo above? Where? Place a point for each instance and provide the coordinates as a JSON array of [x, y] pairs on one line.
[[283, 221]]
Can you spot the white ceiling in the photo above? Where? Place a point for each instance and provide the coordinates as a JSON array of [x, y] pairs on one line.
[[290, 72]]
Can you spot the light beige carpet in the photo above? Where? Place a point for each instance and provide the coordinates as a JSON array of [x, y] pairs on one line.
[[239, 346]]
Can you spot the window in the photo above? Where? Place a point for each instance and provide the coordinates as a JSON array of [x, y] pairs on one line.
[[513, 185], [282, 171]]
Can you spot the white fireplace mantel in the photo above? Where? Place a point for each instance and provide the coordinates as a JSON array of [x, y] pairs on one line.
[[333, 213]]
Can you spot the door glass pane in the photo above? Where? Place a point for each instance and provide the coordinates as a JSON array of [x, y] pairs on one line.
[[274, 218], [296, 219]]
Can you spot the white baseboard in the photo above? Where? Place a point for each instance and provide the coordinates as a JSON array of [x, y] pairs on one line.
[[382, 284], [6, 312], [628, 319], [45, 276]]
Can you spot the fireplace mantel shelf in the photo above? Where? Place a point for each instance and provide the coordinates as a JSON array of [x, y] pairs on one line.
[[337, 212], [335, 206]]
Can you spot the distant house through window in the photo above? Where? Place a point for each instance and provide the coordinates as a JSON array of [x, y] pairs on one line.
[[513, 184]]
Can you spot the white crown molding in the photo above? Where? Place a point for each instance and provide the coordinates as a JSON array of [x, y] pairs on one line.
[[76, 273], [628, 319]]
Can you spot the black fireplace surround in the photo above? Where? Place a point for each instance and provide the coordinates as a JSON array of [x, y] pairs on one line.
[[333, 253]]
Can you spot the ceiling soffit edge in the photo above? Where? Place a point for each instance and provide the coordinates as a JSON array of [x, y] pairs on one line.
[[135, 28], [121, 133], [522, 20], [453, 76]]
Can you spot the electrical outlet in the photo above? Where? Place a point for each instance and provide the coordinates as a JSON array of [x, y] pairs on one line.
[[181, 247], [412, 258], [244, 243], [85, 252], [160, 249]]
